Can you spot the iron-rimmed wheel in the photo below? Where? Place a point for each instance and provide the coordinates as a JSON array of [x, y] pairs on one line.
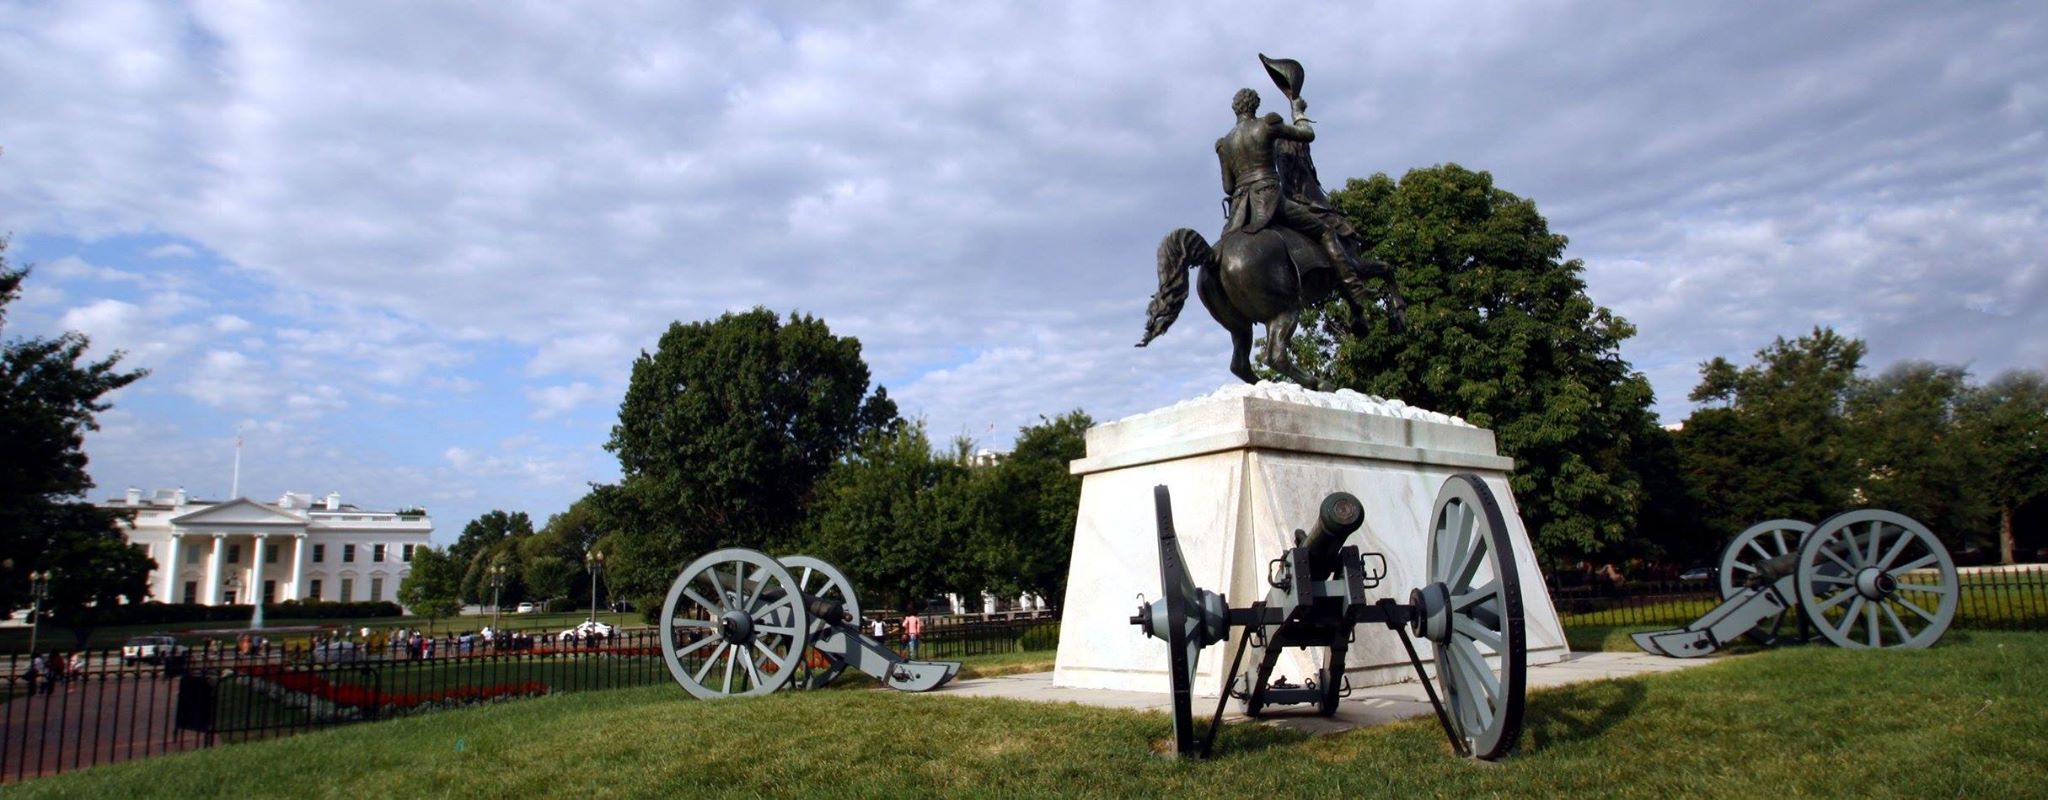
[[1744, 560], [734, 625], [818, 578], [1471, 609], [1875, 579]]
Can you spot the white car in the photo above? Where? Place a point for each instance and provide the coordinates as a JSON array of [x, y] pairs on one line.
[[585, 629], [151, 649], [524, 608]]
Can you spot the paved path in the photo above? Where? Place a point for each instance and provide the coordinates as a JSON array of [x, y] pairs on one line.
[[1373, 705]]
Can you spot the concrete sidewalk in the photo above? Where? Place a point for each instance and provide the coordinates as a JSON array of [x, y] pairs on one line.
[[1374, 705]]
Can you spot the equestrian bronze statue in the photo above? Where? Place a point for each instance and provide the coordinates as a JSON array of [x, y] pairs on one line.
[[1284, 247]]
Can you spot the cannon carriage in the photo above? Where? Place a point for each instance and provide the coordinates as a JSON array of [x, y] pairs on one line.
[[740, 623], [1469, 608], [1863, 579]]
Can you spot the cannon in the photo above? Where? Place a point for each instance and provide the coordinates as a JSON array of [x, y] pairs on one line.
[[1863, 579], [1469, 608], [737, 623]]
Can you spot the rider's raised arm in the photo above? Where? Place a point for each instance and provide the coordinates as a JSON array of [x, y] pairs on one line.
[[1298, 130]]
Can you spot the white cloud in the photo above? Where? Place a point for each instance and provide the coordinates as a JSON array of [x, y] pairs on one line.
[[172, 250], [553, 401]]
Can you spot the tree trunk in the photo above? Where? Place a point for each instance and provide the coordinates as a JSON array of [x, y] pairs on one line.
[[2005, 533]]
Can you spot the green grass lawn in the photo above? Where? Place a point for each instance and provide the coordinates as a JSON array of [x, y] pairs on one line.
[[14, 640], [1962, 719]]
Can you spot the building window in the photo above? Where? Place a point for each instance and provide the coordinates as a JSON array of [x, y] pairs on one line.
[[406, 552], [227, 597], [377, 553], [315, 593], [376, 589], [269, 592], [234, 555], [348, 590], [191, 592], [191, 555], [319, 554], [269, 552], [348, 554]]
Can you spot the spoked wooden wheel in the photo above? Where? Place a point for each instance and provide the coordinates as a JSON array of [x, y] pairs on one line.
[[1471, 608], [733, 625], [819, 579], [1873, 579], [1743, 561]]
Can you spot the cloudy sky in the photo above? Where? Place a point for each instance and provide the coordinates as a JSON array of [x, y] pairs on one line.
[[410, 251]]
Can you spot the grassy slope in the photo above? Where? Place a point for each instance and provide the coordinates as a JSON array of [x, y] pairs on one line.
[[1964, 718]]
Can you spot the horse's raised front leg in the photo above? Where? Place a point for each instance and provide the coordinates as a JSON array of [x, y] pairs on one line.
[[1279, 356], [1241, 353]]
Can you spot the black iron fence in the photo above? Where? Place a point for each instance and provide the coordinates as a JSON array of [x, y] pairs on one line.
[[103, 706], [1993, 598], [962, 638]]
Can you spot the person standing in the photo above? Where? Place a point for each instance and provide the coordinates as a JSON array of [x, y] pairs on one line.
[[38, 669], [913, 632], [76, 669]]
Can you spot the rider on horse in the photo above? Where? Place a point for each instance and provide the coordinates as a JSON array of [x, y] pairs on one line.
[[1250, 154]]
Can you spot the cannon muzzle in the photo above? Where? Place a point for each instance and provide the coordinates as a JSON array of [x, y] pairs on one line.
[[1340, 515]]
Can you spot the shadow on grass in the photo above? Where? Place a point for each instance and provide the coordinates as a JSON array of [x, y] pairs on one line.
[[1577, 713], [1241, 739]]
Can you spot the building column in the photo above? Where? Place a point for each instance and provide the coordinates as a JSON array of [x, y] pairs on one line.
[[170, 568], [211, 596], [298, 566], [257, 541]]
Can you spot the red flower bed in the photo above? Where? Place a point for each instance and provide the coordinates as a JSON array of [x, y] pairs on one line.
[[345, 694]]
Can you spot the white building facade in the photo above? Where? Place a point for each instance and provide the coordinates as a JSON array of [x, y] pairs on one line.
[[298, 548]]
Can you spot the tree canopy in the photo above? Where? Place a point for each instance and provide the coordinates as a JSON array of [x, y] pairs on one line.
[[50, 393], [724, 431], [2006, 422], [1502, 333]]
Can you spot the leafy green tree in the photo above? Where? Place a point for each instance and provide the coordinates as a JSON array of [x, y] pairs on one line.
[[1501, 332], [490, 528], [1907, 452], [49, 395], [433, 588], [725, 430], [889, 517], [1777, 445], [2006, 424], [1028, 504]]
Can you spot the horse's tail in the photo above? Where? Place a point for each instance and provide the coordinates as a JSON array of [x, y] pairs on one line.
[[1180, 251]]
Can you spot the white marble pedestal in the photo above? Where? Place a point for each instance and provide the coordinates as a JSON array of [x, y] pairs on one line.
[[1247, 466]]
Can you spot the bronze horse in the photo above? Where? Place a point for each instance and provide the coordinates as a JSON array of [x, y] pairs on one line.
[[1266, 277]]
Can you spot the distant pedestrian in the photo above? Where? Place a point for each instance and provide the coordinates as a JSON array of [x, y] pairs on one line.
[[913, 632], [879, 631], [53, 672], [76, 669], [38, 667]]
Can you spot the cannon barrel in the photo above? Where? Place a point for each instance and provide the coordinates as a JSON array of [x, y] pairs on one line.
[[1340, 514]]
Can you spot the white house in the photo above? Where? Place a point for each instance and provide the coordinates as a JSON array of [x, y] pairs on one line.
[[223, 553]]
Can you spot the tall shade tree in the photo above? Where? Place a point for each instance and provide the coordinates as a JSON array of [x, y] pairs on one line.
[[1907, 452], [1501, 332], [1028, 504], [2006, 422], [434, 587], [483, 543], [1772, 443], [890, 517], [50, 393], [724, 431]]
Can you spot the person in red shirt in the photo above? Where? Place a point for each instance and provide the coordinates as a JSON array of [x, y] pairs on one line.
[[913, 632]]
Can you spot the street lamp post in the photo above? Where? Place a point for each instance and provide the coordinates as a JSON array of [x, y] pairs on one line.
[[596, 565], [38, 588], [497, 586]]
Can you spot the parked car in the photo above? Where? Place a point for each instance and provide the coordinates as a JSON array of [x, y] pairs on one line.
[[1699, 573], [155, 649], [585, 630], [524, 608]]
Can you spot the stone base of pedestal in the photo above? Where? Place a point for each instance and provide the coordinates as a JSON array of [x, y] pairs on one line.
[[1247, 466]]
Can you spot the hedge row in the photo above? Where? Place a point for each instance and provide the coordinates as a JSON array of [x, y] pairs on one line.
[[162, 613]]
